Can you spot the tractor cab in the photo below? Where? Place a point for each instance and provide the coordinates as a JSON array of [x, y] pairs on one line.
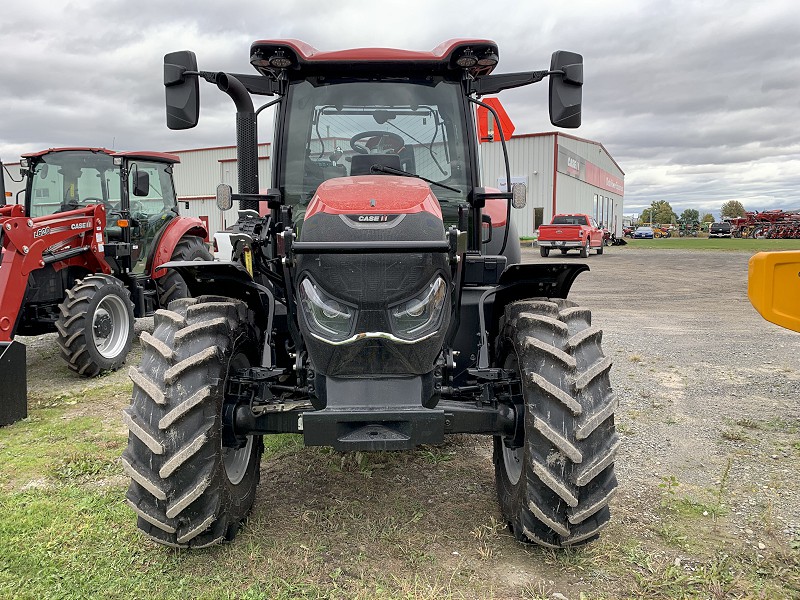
[[136, 189]]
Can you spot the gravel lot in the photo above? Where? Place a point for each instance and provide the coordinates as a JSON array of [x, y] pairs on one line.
[[702, 380]]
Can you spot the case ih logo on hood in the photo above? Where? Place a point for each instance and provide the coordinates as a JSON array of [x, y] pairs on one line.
[[372, 218], [84, 225]]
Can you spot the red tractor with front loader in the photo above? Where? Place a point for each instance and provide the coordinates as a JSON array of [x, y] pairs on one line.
[[81, 257], [364, 312]]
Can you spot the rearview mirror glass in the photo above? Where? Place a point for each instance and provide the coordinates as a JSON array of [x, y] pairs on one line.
[[566, 89], [141, 183], [182, 91]]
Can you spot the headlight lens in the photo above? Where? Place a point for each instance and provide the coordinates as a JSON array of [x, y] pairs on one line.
[[325, 316], [420, 315]]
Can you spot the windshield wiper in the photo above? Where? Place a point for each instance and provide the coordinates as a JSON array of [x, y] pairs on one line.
[[393, 171]]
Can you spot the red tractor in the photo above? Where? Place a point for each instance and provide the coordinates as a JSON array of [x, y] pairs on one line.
[[370, 310], [81, 257]]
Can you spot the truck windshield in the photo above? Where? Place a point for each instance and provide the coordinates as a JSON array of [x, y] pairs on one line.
[[334, 125], [67, 180], [569, 220]]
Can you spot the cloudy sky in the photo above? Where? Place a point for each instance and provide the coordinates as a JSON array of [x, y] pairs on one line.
[[698, 101]]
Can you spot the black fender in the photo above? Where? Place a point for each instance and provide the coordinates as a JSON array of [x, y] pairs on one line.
[[227, 279], [532, 280], [482, 306]]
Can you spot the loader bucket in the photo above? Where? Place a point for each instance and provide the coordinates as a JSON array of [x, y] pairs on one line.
[[13, 383], [774, 287]]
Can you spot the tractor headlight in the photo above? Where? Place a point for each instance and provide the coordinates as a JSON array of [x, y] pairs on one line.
[[421, 315], [327, 317]]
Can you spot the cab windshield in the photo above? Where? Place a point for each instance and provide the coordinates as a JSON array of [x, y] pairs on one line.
[[67, 180], [343, 128]]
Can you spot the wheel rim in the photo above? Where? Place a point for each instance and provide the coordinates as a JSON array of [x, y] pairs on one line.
[[513, 459], [236, 460], [110, 326]]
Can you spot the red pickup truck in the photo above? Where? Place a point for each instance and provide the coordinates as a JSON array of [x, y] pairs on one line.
[[571, 232]]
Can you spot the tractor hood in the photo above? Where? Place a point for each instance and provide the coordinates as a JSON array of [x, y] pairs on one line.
[[374, 195], [378, 313]]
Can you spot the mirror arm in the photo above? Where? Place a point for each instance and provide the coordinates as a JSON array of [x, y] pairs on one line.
[[255, 84], [494, 84]]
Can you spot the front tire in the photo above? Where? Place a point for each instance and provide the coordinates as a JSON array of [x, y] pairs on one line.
[[186, 488], [555, 489], [172, 286], [95, 325]]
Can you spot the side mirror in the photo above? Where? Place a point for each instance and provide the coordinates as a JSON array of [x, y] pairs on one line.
[[519, 195], [141, 183], [224, 196], [182, 90], [566, 89]]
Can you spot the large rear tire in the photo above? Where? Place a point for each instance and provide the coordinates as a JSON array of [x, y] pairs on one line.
[[544, 251], [555, 489], [95, 325], [172, 286], [585, 249], [187, 489]]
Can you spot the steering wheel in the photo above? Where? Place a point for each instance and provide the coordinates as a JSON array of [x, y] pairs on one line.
[[91, 200], [136, 207], [395, 142]]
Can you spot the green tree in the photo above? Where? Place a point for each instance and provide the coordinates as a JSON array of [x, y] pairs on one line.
[[690, 215], [662, 213], [732, 208], [707, 218]]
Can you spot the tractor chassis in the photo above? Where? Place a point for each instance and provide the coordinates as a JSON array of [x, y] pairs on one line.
[[257, 404]]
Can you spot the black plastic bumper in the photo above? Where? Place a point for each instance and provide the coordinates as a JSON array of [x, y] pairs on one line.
[[374, 430], [374, 414]]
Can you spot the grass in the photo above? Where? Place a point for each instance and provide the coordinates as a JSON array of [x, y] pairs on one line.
[[743, 245]]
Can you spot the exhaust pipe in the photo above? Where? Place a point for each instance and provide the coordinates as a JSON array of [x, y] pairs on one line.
[[246, 137], [14, 389]]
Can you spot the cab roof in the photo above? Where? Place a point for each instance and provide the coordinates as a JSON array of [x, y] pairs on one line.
[[441, 60], [145, 155]]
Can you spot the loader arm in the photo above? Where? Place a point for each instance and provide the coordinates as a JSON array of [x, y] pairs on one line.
[[30, 244]]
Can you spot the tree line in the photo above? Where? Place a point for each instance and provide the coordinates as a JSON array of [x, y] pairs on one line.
[[662, 213]]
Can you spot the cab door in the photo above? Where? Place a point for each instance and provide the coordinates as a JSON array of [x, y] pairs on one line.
[[152, 204]]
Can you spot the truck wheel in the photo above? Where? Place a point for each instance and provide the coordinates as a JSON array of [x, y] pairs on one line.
[[95, 325], [563, 251], [187, 489], [172, 286], [600, 248], [544, 251], [554, 489], [585, 249]]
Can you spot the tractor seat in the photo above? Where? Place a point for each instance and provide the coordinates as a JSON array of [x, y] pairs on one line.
[[362, 163]]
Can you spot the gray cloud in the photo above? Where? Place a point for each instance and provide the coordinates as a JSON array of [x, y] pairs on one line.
[[697, 101]]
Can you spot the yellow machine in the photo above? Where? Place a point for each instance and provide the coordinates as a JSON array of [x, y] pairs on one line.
[[774, 287]]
